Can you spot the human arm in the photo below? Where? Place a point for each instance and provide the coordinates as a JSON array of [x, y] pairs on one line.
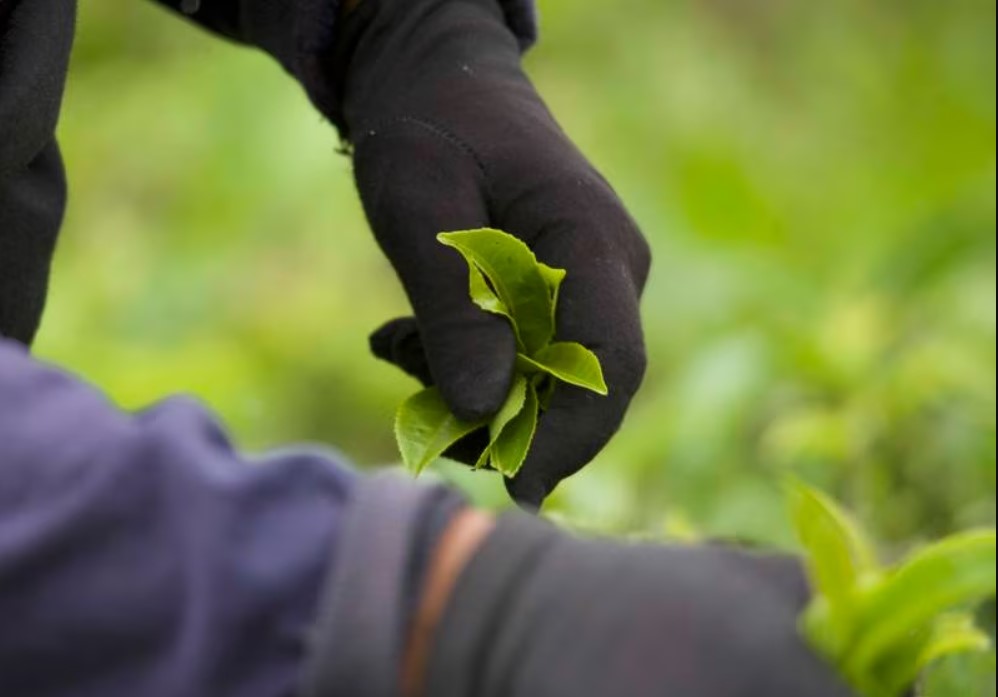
[[141, 554], [516, 608], [448, 133]]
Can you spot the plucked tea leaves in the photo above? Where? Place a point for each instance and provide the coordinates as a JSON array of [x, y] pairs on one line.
[[569, 362], [512, 272], [505, 278], [425, 428]]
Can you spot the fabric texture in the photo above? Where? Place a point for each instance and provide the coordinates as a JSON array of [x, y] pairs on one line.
[[370, 600], [538, 613], [141, 555]]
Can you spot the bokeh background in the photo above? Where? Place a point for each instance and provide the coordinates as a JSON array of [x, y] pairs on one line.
[[817, 181]]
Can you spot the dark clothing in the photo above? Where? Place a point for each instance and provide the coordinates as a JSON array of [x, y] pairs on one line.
[[141, 555], [35, 41]]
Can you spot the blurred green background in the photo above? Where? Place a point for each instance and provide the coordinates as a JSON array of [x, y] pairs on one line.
[[817, 181]]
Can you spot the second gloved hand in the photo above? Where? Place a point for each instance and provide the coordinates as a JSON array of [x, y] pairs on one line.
[[449, 134]]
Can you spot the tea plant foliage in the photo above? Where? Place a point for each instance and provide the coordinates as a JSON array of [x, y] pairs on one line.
[[883, 625], [505, 278]]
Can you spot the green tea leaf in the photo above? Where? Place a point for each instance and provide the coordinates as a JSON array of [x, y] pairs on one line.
[[838, 554], [553, 278], [953, 633], [517, 281], [425, 428], [510, 448], [948, 634], [569, 362], [952, 573], [483, 296], [882, 627], [507, 412]]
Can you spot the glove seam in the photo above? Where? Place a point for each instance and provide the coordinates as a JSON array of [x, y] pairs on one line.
[[436, 130]]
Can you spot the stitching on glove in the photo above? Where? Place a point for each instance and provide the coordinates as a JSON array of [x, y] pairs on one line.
[[436, 130]]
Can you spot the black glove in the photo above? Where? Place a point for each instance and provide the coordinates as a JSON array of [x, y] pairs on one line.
[[540, 614], [449, 134]]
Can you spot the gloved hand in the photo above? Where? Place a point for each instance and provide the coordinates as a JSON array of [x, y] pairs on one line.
[[537, 613], [448, 134]]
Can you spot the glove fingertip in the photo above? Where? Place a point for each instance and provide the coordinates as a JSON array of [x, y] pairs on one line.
[[384, 340], [398, 342], [474, 365], [528, 492], [473, 397]]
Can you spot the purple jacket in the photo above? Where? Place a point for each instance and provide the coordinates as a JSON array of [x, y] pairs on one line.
[[140, 555]]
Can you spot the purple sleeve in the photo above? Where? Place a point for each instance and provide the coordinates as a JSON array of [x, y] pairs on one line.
[[140, 555]]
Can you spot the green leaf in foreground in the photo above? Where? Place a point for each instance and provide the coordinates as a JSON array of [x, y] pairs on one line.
[[838, 557], [949, 634], [882, 626], [838, 552], [512, 272], [569, 362], [425, 428], [512, 407], [510, 448], [953, 633], [947, 575]]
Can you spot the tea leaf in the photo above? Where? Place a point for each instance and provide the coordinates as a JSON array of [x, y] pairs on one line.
[[569, 362], [425, 428], [517, 281], [837, 552], [948, 634], [944, 576], [553, 278], [483, 296], [510, 449], [953, 633], [507, 412], [838, 556], [505, 278], [882, 627]]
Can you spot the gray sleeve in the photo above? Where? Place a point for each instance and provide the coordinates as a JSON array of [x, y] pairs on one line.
[[359, 637]]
